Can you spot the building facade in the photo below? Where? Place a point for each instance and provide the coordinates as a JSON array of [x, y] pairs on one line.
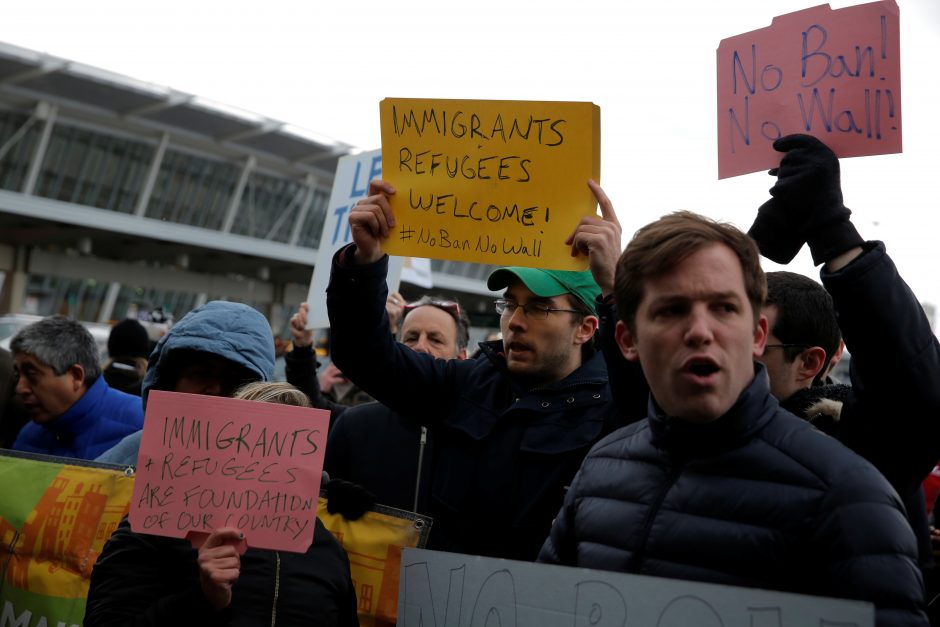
[[118, 195]]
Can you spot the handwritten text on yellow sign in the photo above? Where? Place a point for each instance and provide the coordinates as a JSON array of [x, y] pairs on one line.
[[489, 181]]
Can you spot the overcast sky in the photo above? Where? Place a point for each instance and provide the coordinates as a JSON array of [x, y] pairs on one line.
[[649, 66]]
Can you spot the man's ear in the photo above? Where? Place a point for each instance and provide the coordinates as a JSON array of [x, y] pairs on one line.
[[626, 342], [585, 331], [461, 354], [810, 363], [760, 335], [78, 376]]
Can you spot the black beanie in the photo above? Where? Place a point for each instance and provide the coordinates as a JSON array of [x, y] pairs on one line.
[[129, 339]]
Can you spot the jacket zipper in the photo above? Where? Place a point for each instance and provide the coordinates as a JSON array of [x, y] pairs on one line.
[[640, 553], [277, 586], [423, 442]]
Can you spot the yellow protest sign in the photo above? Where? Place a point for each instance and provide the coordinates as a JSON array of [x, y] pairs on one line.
[[489, 181]]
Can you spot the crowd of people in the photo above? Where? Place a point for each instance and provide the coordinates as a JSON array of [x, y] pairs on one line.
[[670, 412]]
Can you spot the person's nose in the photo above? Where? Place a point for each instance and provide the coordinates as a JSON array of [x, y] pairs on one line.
[[518, 320], [22, 387], [699, 327], [213, 387], [422, 346]]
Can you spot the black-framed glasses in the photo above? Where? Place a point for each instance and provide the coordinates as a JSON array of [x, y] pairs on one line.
[[451, 307], [799, 346], [535, 310]]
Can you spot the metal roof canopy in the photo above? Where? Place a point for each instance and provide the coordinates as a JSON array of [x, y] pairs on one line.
[[64, 82]]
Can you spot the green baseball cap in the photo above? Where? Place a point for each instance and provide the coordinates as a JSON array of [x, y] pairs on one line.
[[548, 283]]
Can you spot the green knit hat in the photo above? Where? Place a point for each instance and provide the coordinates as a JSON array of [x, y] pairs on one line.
[[548, 283]]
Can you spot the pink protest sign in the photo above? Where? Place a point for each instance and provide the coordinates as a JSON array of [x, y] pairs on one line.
[[835, 75], [207, 462]]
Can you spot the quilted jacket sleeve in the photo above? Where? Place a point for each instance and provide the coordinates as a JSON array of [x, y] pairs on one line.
[[411, 383], [869, 549]]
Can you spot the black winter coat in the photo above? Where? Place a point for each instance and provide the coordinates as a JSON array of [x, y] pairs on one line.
[[504, 454], [758, 498], [142, 580], [395, 466], [891, 415]]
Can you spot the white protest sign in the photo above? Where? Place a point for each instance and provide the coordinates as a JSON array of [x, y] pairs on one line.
[[452, 590], [417, 271], [350, 184]]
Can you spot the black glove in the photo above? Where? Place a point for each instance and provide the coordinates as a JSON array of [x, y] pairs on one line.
[[806, 205], [348, 499]]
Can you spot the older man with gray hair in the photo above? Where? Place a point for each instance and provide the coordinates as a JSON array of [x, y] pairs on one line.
[[72, 410]]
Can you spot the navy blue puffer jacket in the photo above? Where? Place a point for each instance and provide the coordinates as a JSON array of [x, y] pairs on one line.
[[758, 498]]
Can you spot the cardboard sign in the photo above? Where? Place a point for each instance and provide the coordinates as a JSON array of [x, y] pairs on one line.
[[489, 181], [207, 462], [55, 516], [452, 590], [835, 75], [350, 185]]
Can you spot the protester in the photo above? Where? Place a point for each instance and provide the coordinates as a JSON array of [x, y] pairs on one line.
[[302, 365], [128, 349], [212, 350], [889, 414], [516, 422], [142, 579], [720, 484], [397, 468], [73, 411], [333, 390], [803, 338]]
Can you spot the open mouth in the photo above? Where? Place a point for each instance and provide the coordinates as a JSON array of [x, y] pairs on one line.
[[518, 347], [701, 369]]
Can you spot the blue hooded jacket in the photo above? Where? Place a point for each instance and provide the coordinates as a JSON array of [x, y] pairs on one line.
[[92, 425], [233, 331]]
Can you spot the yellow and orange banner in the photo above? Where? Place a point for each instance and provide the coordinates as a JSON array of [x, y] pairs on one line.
[[56, 515]]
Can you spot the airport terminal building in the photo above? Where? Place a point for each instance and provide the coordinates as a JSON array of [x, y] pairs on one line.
[[118, 195]]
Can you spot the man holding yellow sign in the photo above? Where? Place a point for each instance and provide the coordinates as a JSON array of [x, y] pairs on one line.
[[512, 426]]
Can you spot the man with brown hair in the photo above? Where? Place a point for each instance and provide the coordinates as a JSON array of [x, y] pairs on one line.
[[510, 427], [719, 484]]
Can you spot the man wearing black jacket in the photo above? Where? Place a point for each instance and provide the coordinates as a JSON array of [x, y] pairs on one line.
[[516, 422], [719, 484], [889, 414]]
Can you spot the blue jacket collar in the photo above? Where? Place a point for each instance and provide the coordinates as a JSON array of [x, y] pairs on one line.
[[75, 418]]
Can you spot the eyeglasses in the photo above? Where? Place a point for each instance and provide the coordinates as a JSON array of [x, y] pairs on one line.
[[449, 306], [800, 346], [536, 310]]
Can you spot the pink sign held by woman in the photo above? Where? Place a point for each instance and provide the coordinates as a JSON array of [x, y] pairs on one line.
[[208, 462]]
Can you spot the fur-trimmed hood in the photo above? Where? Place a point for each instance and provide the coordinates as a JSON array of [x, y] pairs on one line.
[[821, 405]]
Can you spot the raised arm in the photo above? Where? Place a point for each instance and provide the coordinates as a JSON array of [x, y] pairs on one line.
[[892, 415], [362, 346], [302, 365], [600, 239]]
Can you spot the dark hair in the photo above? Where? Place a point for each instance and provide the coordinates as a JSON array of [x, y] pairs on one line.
[[60, 342], [660, 246], [444, 304], [128, 338], [805, 314]]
